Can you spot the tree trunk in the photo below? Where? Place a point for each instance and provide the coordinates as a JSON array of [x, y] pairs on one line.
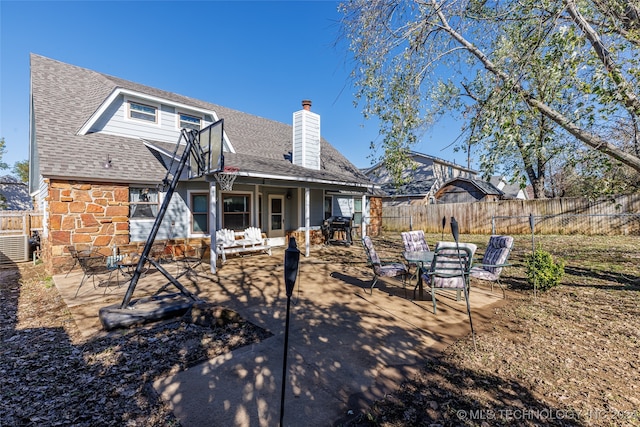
[[538, 187]]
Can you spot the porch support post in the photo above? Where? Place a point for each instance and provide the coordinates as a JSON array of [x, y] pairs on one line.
[[213, 225], [365, 215], [256, 208], [307, 221]]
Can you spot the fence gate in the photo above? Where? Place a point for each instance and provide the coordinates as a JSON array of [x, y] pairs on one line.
[[15, 229]]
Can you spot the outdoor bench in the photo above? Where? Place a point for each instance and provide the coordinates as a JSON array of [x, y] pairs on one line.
[[231, 242]]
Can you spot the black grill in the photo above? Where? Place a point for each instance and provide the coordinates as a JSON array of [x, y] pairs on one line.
[[337, 229]]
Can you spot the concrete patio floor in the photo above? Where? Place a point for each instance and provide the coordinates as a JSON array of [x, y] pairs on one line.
[[347, 348]]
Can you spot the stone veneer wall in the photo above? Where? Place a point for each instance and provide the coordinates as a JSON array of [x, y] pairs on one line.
[[315, 236], [375, 216], [87, 216]]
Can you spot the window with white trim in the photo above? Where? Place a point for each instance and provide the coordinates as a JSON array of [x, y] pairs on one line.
[[199, 213], [143, 112], [189, 122], [143, 203], [328, 206], [236, 211], [357, 211]]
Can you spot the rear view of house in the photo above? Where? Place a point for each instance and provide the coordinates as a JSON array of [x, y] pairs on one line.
[[100, 146]]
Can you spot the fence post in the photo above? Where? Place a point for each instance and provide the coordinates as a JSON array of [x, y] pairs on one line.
[[28, 224], [493, 225]]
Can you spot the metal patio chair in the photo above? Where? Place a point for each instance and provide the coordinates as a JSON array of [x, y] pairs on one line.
[[383, 268], [414, 241], [95, 265], [450, 270], [494, 260]]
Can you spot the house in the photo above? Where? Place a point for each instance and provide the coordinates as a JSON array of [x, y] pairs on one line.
[[466, 190], [100, 146], [426, 176], [511, 191], [14, 195]]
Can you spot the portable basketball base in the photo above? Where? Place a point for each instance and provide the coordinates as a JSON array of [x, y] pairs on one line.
[[204, 159]]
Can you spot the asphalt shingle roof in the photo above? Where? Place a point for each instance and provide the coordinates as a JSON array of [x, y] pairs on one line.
[[484, 186], [65, 97], [14, 195]]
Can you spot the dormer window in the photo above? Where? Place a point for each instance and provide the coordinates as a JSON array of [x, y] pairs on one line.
[[189, 122], [143, 112]]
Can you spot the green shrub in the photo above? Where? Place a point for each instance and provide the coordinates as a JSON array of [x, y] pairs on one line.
[[542, 271]]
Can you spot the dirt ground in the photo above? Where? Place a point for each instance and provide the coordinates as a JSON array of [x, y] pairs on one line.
[[50, 375], [569, 356]]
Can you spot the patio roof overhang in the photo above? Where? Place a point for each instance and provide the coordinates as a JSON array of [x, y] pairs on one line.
[[274, 180]]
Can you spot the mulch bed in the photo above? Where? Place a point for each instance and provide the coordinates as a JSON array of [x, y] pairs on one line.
[[50, 377]]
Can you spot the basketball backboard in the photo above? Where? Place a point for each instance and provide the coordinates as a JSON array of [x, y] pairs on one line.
[[206, 155]]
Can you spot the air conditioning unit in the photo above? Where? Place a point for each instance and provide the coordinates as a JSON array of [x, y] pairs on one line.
[[14, 249]]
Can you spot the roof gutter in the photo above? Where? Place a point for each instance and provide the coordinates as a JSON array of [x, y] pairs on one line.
[[105, 179], [289, 178]]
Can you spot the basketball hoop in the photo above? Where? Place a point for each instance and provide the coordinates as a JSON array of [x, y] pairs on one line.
[[227, 177]]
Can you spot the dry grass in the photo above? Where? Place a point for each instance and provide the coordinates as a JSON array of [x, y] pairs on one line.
[[568, 357]]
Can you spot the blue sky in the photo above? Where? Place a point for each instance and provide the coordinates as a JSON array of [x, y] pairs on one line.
[[259, 57]]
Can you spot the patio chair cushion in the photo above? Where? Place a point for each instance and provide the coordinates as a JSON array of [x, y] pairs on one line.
[[482, 274], [390, 270], [414, 241], [497, 253], [445, 265]]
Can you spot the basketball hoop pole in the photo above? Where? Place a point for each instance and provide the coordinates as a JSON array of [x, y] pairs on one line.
[[155, 307], [190, 137]]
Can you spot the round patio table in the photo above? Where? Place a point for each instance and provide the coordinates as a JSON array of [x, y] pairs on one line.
[[422, 259]]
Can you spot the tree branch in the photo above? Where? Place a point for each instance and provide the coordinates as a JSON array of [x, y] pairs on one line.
[[588, 138], [630, 100]]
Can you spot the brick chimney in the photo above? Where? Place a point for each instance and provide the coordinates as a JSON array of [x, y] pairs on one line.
[[306, 137]]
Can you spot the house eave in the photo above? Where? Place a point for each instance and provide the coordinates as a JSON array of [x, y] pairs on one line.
[[99, 180], [411, 195], [297, 179], [424, 156]]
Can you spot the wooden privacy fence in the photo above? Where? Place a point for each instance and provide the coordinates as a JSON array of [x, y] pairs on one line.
[[613, 216], [19, 222], [15, 229]]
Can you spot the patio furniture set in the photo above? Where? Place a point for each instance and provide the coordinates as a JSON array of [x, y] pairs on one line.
[[448, 267]]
